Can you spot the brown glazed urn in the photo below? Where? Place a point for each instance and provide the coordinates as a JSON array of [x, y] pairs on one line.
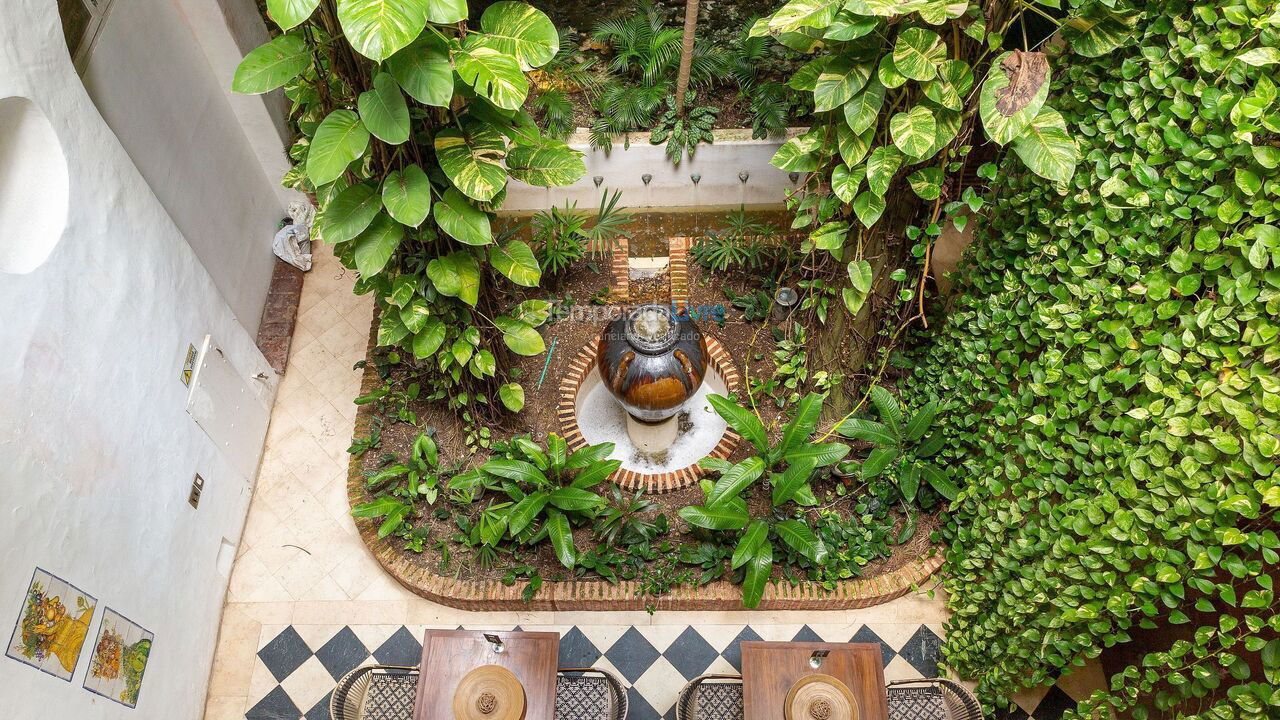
[[652, 360]]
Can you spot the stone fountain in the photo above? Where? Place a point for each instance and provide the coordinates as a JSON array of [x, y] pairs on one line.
[[652, 360]]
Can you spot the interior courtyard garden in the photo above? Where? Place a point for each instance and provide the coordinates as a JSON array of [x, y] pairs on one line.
[[805, 359]]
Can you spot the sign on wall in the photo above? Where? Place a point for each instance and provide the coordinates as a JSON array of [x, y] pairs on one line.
[[52, 625]]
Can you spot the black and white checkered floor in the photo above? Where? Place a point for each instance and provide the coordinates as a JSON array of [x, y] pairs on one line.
[[655, 661]]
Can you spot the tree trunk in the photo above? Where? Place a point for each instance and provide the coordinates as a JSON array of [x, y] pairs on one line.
[[686, 52]]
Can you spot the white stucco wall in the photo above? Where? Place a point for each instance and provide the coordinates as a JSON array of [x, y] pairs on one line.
[[96, 450], [717, 163], [151, 79]]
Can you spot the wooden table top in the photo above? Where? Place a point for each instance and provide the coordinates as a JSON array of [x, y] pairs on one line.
[[448, 655], [769, 669]]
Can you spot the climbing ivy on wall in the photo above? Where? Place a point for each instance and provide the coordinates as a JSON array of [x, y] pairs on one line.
[[1110, 379]]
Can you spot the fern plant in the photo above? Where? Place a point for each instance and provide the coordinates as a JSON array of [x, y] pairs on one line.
[[682, 133]]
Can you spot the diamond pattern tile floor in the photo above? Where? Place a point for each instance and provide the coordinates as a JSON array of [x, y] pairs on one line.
[[653, 677]]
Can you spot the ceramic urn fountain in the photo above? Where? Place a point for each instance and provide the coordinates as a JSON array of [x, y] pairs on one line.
[[652, 360]]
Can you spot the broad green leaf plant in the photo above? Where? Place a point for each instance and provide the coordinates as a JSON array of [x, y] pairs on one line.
[[1108, 380], [410, 124], [789, 465], [549, 491]]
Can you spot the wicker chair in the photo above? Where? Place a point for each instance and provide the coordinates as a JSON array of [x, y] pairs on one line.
[[711, 697], [589, 694], [375, 692], [931, 699]]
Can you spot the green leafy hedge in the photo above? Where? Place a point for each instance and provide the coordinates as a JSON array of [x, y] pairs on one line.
[[1110, 380]]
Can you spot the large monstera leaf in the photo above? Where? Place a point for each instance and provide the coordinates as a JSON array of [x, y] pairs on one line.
[[374, 247], [799, 14], [516, 261], [407, 195], [271, 65], [520, 30], [339, 140], [461, 220], [446, 12], [384, 111], [1047, 148], [378, 28], [1097, 31], [348, 214], [549, 165], [473, 160], [291, 13], [863, 110], [1013, 94], [917, 53], [424, 71], [456, 275], [494, 74], [838, 82], [913, 131]]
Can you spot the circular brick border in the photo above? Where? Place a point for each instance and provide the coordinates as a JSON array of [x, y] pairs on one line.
[[600, 594], [581, 367]]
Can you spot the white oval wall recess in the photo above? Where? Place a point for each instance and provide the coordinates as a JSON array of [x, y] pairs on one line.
[[34, 186]]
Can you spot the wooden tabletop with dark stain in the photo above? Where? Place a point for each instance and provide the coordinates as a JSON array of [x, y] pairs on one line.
[[448, 655], [769, 669]]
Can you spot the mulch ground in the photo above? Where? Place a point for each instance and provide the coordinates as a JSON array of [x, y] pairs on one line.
[[750, 343]]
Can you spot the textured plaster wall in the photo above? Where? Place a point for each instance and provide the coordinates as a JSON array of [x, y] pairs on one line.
[[718, 164], [151, 79], [96, 449]]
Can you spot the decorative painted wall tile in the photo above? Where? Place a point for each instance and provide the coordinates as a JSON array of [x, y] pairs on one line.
[[52, 625], [119, 659]]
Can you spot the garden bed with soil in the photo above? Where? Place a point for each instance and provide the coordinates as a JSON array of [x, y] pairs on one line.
[[446, 570]]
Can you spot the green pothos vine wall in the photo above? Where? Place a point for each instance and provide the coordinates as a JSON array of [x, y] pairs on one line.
[[1111, 382]]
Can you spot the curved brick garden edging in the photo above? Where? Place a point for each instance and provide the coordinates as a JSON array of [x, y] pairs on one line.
[[602, 595]]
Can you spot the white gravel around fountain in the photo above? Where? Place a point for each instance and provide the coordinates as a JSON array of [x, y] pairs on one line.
[[602, 419]]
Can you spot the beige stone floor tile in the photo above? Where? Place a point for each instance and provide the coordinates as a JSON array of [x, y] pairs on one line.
[[251, 581], [261, 522], [301, 576], [265, 613], [354, 574], [333, 498], [237, 639], [383, 587], [225, 708], [582, 617], [311, 612]]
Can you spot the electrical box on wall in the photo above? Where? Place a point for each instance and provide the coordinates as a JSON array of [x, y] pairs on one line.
[[223, 403]]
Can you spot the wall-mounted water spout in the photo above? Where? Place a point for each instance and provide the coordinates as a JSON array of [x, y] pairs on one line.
[[744, 175], [696, 178], [645, 178], [597, 180], [794, 176]]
